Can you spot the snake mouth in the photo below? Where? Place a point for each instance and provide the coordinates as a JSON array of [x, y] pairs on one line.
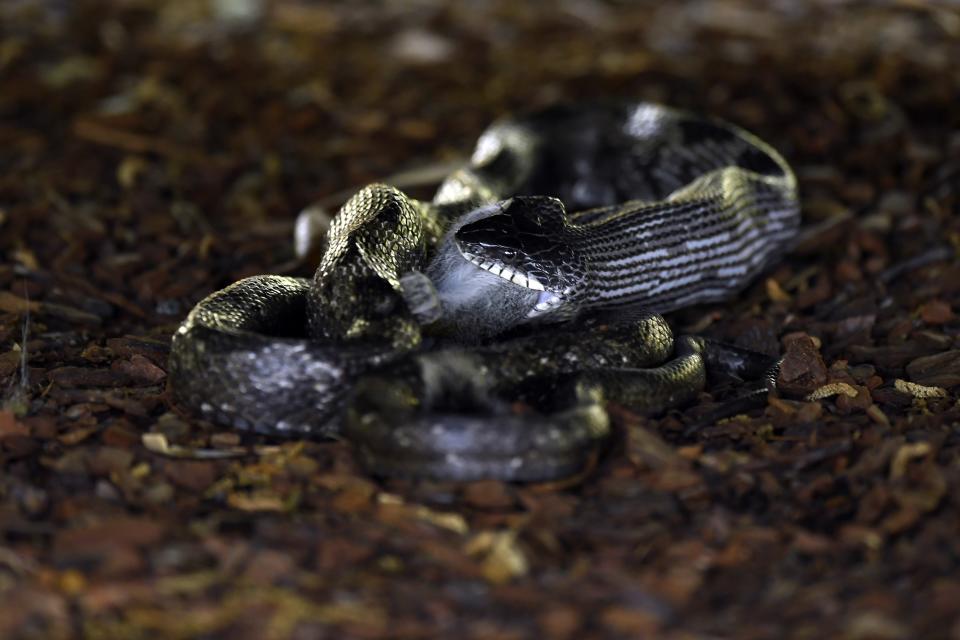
[[546, 302], [498, 268]]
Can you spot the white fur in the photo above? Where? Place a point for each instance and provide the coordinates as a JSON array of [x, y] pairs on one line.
[[476, 303]]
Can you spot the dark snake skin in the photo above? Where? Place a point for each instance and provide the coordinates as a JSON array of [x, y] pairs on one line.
[[481, 334]]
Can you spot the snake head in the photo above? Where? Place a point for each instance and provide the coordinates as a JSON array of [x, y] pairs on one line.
[[527, 241], [385, 228], [377, 236]]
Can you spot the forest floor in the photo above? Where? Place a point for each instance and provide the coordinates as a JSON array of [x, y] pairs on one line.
[[152, 152]]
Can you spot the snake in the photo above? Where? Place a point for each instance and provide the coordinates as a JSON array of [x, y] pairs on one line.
[[483, 333]]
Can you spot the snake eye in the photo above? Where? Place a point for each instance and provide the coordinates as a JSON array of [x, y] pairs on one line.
[[383, 305]]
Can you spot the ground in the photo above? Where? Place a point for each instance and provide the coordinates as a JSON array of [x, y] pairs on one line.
[[152, 152]]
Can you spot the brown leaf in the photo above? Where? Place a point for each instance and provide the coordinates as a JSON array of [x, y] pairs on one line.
[[105, 535], [140, 370], [488, 494], [939, 370], [69, 377], [631, 623], [802, 369], [10, 426], [936, 312], [193, 475]]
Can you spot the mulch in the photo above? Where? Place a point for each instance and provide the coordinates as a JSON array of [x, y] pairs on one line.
[[152, 152]]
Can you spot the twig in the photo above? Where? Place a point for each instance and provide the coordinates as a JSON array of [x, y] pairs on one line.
[[935, 254], [25, 334], [102, 134], [16, 400]]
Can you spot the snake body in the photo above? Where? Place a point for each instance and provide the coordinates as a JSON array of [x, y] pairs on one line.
[[427, 322]]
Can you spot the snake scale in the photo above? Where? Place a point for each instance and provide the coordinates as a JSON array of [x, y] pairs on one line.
[[480, 334]]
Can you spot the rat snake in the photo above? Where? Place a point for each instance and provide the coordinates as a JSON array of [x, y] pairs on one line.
[[480, 334]]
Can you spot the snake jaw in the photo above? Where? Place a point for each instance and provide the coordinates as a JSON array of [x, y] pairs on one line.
[[527, 241], [546, 303], [498, 268]]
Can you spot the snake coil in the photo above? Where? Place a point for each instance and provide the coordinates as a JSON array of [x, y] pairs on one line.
[[479, 334]]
